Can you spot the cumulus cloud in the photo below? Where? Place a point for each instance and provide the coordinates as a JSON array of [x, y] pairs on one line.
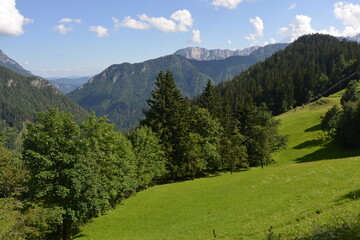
[[179, 21], [61, 28], [231, 4], [258, 25], [129, 22], [196, 37], [11, 21], [229, 41], [66, 25], [271, 41], [293, 6], [69, 20], [100, 31], [349, 14]]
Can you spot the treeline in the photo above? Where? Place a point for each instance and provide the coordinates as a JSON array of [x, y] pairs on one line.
[[300, 73], [68, 173], [342, 123]]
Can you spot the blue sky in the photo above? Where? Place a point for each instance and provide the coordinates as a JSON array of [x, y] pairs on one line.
[[82, 37]]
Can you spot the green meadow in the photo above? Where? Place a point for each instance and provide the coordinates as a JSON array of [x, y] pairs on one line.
[[312, 183]]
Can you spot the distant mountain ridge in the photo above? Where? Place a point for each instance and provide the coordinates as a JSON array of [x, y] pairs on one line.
[[66, 85], [203, 54], [7, 62], [121, 91]]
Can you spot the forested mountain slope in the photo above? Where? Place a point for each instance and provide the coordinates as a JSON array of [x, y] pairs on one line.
[[22, 97], [296, 75]]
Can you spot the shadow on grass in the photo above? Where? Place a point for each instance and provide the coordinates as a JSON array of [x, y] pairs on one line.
[[308, 144], [353, 195], [329, 151], [79, 236], [313, 128]]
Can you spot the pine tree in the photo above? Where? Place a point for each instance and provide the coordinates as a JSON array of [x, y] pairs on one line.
[[210, 100], [168, 118]]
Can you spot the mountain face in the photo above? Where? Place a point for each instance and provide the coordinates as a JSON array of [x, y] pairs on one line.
[[22, 97], [121, 91], [7, 62], [66, 85], [202, 54]]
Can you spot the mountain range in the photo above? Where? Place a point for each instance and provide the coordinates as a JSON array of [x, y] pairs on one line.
[[121, 91], [203, 54], [66, 85]]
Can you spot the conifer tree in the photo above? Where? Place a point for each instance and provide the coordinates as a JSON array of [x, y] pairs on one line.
[[168, 118]]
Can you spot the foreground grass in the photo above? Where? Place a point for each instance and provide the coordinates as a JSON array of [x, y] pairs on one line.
[[309, 185]]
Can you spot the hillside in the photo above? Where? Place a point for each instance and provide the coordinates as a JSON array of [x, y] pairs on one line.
[[121, 91], [310, 185], [305, 70], [22, 97], [7, 62]]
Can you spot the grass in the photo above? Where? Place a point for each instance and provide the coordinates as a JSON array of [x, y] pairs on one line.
[[309, 185]]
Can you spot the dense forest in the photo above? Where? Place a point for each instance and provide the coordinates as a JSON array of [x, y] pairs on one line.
[[300, 73]]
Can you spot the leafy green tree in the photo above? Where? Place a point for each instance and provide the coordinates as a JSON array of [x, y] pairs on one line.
[[113, 158], [330, 120], [351, 94], [13, 174], [150, 159], [61, 176]]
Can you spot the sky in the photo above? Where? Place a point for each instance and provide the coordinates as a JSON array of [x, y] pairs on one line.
[[62, 38]]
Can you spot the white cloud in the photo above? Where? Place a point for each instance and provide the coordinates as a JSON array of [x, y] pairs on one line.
[[69, 20], [26, 63], [301, 26], [349, 14], [61, 28], [272, 41], [293, 6], [11, 21], [258, 25], [180, 21], [196, 37], [231, 4], [100, 31], [229, 41], [129, 22]]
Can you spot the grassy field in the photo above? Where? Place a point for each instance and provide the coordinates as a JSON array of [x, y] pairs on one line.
[[310, 184]]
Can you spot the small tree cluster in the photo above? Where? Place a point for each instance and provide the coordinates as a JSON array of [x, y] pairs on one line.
[[342, 124], [209, 137]]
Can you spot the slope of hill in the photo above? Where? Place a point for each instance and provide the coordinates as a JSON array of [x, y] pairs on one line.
[[301, 72], [66, 85], [311, 184], [7, 62], [120, 92], [21, 97]]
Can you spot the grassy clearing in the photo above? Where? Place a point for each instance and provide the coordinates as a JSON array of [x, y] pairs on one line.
[[310, 184]]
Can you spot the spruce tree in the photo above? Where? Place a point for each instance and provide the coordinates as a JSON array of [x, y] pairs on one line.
[[168, 118]]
